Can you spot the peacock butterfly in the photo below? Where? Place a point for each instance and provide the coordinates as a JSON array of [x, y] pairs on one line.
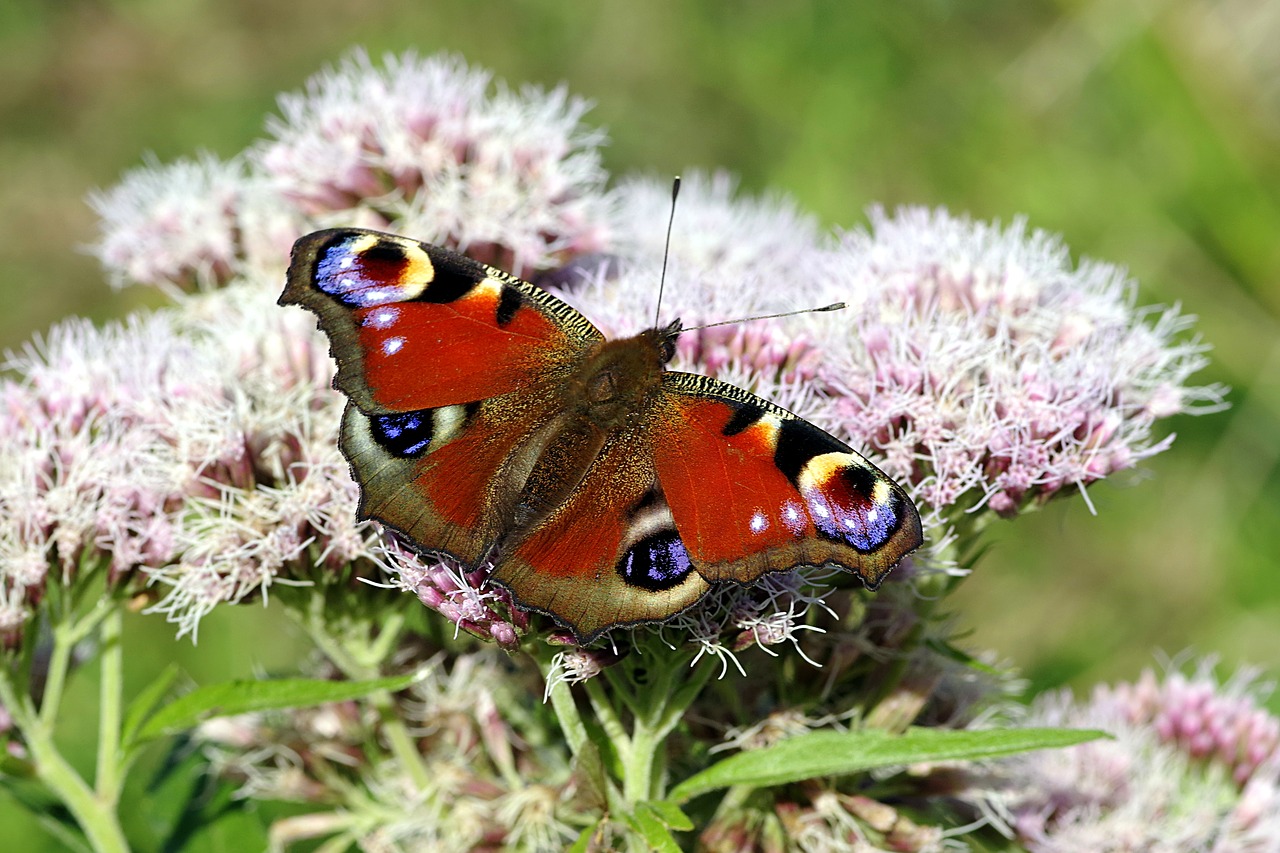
[[486, 417]]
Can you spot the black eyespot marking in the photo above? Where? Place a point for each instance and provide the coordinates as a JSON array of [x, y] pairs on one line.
[[656, 563], [844, 509], [798, 442], [405, 435], [861, 481], [451, 283], [745, 415], [508, 303], [383, 252], [360, 278]]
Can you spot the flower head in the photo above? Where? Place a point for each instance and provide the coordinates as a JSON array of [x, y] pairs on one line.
[[458, 594], [192, 224], [986, 369], [429, 146], [974, 363], [1193, 766]]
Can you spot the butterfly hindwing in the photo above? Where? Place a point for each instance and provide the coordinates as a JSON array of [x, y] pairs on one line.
[[447, 478], [608, 553], [753, 488]]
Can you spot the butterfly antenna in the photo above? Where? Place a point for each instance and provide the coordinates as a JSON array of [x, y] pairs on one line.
[[666, 251], [834, 306]]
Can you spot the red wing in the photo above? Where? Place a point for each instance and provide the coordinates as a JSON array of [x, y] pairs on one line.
[[753, 488], [414, 326], [607, 555]]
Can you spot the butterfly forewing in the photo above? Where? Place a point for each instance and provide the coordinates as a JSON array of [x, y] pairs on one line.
[[753, 488], [414, 326], [455, 372]]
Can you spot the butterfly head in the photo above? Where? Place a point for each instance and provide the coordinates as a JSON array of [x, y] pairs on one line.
[[665, 338]]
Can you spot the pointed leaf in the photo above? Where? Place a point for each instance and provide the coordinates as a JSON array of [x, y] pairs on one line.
[[588, 769], [583, 842], [829, 753], [655, 832], [239, 697], [145, 702], [671, 815]]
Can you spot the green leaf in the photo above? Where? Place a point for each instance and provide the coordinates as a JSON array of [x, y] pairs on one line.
[[828, 753], [589, 770], [652, 828], [239, 697], [671, 815], [583, 842], [145, 702]]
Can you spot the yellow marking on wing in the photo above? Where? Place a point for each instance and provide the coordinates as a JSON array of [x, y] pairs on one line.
[[419, 271], [765, 430], [820, 469], [487, 290]]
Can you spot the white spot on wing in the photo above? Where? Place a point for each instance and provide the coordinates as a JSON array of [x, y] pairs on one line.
[[383, 318], [391, 346], [758, 522], [376, 296]]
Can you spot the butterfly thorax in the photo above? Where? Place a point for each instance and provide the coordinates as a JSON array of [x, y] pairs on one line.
[[618, 378], [611, 392]]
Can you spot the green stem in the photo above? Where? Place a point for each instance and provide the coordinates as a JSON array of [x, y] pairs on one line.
[[95, 814], [659, 708], [608, 717], [110, 714], [566, 711], [67, 632], [359, 667], [402, 744], [638, 784], [56, 676]]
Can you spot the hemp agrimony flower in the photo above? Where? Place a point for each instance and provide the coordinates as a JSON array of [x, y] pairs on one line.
[[1194, 765]]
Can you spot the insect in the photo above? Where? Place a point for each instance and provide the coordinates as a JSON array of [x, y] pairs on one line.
[[488, 418]]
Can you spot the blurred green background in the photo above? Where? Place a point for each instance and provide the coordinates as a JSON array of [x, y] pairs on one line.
[[1144, 131]]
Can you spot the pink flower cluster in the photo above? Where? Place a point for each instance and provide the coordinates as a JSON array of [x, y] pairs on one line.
[[174, 450], [420, 143], [191, 225], [987, 368], [1221, 724], [1193, 765], [426, 147], [458, 594]]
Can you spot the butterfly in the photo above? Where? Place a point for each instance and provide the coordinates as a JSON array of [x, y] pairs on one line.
[[488, 418]]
